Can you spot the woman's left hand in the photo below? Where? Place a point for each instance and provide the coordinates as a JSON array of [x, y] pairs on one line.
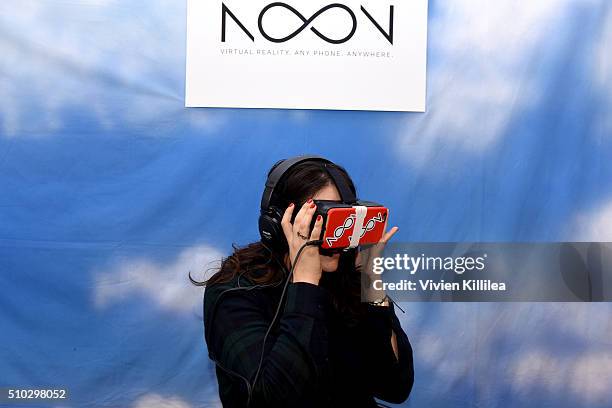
[[373, 252], [386, 237]]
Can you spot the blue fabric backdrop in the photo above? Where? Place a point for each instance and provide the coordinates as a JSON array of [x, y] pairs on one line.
[[111, 191]]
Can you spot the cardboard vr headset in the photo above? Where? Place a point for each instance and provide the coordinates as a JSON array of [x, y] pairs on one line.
[[350, 225]]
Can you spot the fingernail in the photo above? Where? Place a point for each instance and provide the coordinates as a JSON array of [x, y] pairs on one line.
[[313, 205], [290, 205], [319, 218], [309, 200]]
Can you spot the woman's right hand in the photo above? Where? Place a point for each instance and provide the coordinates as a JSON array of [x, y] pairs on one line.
[[308, 268]]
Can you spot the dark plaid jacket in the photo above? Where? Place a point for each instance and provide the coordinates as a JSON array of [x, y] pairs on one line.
[[311, 359]]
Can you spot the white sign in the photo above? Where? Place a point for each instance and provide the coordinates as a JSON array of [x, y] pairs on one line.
[[307, 54]]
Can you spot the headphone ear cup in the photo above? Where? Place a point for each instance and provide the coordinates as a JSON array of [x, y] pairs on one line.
[[271, 230]]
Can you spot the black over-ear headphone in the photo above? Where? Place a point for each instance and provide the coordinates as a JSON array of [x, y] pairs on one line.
[[273, 207]]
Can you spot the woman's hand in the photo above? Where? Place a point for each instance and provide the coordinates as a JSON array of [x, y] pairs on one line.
[[373, 252], [380, 246], [308, 267]]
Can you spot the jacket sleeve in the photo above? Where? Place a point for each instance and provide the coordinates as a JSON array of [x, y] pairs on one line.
[[391, 378], [292, 356]]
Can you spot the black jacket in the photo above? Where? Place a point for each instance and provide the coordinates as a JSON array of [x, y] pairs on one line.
[[312, 357]]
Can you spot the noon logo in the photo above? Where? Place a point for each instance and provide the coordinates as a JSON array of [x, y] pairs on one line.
[[351, 23]]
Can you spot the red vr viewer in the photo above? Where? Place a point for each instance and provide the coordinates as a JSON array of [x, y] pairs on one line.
[[348, 226]]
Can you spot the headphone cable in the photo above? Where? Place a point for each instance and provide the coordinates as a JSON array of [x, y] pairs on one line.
[[277, 313]]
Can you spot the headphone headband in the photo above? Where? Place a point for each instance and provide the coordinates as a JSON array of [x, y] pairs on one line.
[[281, 168]]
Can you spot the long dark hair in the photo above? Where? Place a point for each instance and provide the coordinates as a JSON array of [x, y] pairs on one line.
[[262, 265]]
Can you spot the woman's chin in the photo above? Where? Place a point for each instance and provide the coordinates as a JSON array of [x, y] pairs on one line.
[[330, 263]]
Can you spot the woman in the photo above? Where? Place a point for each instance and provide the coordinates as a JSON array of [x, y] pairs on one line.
[[308, 341]]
